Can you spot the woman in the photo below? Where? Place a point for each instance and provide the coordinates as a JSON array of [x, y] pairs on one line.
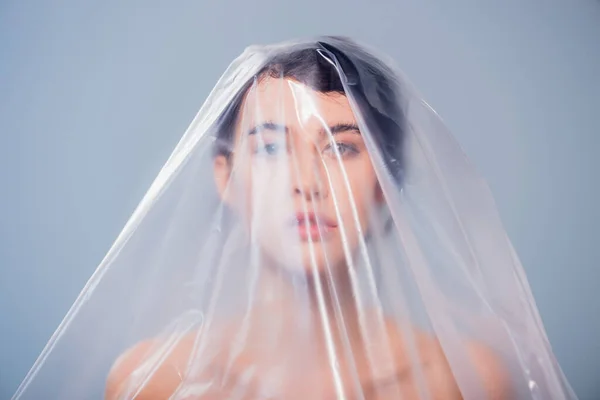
[[297, 284], [295, 167]]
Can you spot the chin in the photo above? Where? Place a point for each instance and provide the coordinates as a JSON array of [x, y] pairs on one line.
[[306, 258], [319, 261]]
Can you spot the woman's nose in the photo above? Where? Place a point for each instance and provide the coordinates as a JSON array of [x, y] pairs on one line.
[[309, 180]]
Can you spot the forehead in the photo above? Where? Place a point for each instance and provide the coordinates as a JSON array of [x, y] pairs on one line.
[[293, 103]]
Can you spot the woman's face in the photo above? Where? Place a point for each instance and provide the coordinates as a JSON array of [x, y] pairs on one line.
[[299, 175]]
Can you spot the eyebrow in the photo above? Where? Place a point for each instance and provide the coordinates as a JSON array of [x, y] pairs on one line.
[[344, 127], [333, 129], [268, 126]]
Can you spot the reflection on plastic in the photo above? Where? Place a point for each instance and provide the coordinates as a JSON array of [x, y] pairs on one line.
[[316, 234]]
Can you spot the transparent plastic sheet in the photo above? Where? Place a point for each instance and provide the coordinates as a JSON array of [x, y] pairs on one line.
[[316, 234]]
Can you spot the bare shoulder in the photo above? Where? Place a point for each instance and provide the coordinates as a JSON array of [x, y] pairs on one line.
[[154, 369], [438, 372], [150, 370], [491, 369], [128, 374]]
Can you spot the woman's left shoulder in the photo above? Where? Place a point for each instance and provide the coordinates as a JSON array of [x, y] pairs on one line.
[[433, 360]]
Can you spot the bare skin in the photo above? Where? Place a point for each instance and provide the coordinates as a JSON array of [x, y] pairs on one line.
[[307, 374], [270, 354]]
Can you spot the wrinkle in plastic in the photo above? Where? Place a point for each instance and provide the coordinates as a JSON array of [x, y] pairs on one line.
[[316, 234]]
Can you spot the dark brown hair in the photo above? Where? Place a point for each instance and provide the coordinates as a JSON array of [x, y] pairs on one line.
[[336, 65]]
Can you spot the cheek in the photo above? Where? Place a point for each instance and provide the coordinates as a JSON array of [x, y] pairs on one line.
[[357, 193], [269, 182], [263, 193]]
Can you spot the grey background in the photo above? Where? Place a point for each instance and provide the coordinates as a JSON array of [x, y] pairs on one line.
[[94, 96]]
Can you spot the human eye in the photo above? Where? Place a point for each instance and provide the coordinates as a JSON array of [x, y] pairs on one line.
[[345, 150], [269, 149]]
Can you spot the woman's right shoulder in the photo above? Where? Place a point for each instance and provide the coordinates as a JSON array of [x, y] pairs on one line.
[[153, 369], [149, 370]]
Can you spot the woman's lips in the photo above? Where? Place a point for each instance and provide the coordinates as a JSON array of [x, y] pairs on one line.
[[313, 226]]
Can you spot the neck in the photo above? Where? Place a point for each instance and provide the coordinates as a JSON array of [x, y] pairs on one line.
[[315, 308]]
